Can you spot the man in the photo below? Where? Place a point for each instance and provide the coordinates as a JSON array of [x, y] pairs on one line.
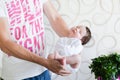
[[22, 39]]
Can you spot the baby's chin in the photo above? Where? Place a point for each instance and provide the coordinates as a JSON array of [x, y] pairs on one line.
[[70, 35]]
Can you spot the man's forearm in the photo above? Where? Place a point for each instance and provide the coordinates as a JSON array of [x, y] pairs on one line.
[[18, 51]]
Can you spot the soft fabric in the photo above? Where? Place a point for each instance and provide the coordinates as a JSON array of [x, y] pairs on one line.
[[27, 29], [68, 47]]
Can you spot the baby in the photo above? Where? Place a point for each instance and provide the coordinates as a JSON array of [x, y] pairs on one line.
[[70, 47]]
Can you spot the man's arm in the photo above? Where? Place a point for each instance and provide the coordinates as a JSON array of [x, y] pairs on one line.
[[56, 21], [13, 49]]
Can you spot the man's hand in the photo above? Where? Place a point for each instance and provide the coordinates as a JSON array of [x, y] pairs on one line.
[[58, 57], [55, 66]]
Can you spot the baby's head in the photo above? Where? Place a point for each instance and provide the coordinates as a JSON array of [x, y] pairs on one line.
[[81, 32]]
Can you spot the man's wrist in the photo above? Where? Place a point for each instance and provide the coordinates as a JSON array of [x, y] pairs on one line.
[[45, 62]]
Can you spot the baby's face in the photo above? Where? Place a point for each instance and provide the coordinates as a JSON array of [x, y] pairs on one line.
[[77, 32]]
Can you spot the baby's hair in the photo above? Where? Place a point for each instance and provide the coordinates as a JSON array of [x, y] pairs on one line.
[[87, 37]]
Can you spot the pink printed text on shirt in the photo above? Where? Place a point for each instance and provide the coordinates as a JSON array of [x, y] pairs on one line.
[[26, 24]]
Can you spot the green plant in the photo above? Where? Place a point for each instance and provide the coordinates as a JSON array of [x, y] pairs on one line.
[[106, 66]]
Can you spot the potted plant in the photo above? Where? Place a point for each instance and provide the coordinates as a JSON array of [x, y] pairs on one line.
[[106, 67]]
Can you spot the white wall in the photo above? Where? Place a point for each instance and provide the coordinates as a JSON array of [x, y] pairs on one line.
[[103, 18]]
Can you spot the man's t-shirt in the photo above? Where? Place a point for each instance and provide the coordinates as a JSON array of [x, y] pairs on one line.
[[25, 19]]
